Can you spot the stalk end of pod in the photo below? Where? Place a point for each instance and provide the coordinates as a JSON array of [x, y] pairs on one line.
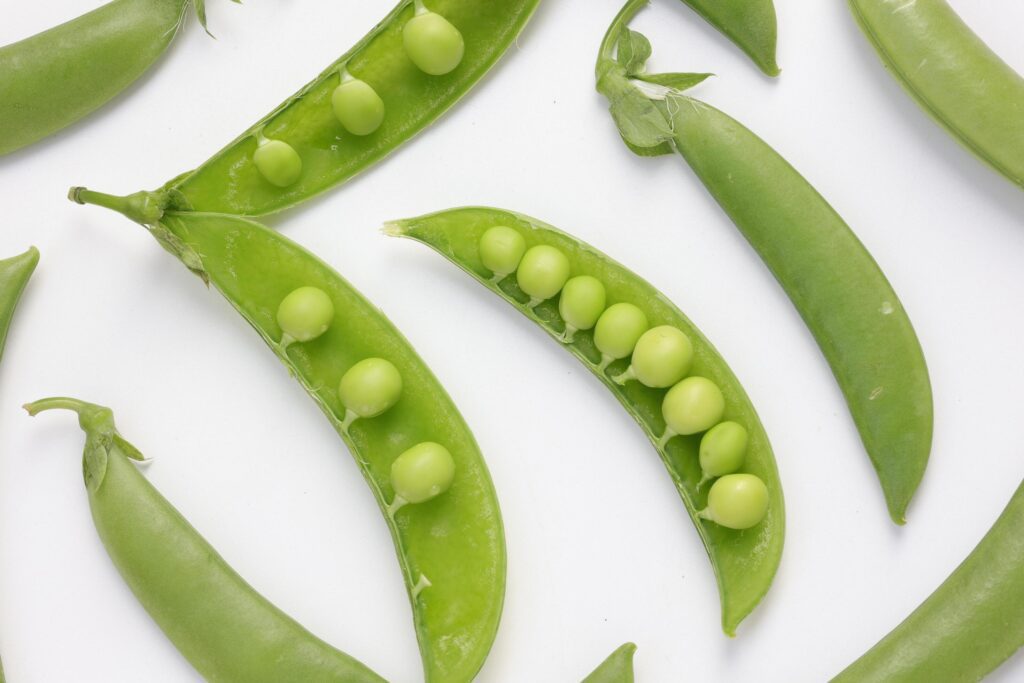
[[393, 229], [92, 417], [146, 208]]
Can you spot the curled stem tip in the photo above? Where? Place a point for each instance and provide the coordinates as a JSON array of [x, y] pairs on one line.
[[146, 208]]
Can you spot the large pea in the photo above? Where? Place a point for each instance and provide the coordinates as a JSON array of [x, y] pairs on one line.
[[662, 357], [305, 314], [358, 106], [737, 501], [723, 449], [582, 302], [618, 330], [693, 405], [432, 43], [542, 272], [277, 162], [370, 387], [501, 250], [423, 472]]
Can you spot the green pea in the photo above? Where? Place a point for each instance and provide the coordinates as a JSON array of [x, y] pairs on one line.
[[662, 356], [277, 162], [305, 314], [370, 387], [618, 330], [582, 303], [358, 106], [501, 250], [723, 449], [693, 405], [432, 43], [737, 501], [423, 472], [542, 272]]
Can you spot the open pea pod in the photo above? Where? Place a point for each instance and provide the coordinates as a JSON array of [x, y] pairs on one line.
[[750, 24], [617, 668], [744, 560], [451, 548]]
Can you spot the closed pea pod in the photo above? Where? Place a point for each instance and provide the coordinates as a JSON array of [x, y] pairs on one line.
[[617, 668], [744, 561], [225, 629], [750, 24]]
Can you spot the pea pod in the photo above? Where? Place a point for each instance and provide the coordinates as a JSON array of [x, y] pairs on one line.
[[952, 74], [837, 287], [750, 24], [617, 668], [391, 85], [452, 547], [744, 560], [54, 78], [227, 630], [970, 625]]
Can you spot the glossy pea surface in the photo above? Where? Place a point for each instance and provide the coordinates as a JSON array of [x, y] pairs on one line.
[[693, 405], [358, 106], [433, 44], [370, 387], [582, 302], [737, 501], [662, 356], [543, 271], [305, 313], [278, 162], [723, 448], [423, 472], [501, 250], [618, 329]]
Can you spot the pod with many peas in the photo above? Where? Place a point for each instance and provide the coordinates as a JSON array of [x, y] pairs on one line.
[[659, 366]]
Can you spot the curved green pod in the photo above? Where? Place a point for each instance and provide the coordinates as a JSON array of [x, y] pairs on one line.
[[54, 78], [744, 561], [837, 287], [952, 74], [970, 625], [451, 549], [617, 668], [227, 630], [750, 24], [231, 182]]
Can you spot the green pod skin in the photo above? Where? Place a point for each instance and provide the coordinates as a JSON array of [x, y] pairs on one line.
[[227, 630], [837, 287], [54, 78], [969, 626], [953, 76], [230, 183], [750, 24], [456, 541], [744, 561], [617, 668]]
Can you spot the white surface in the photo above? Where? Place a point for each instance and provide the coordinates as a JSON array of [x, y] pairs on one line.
[[600, 550]]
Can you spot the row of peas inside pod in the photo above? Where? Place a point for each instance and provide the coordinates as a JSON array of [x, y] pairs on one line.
[[430, 41], [660, 358], [368, 389]]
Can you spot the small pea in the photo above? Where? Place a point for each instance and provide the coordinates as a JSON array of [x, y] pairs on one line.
[[277, 162], [618, 330], [305, 314], [432, 43], [501, 250], [662, 357], [542, 272], [370, 387], [693, 405], [723, 449], [423, 472], [582, 303], [737, 501], [358, 106]]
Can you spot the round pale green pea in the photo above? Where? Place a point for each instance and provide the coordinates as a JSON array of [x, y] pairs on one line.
[[501, 250], [693, 405], [370, 387], [423, 472], [358, 106], [277, 162], [737, 501], [582, 302], [432, 43], [542, 272], [723, 449], [305, 313], [618, 330], [662, 357]]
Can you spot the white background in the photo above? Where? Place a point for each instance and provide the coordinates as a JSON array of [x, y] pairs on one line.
[[600, 549]]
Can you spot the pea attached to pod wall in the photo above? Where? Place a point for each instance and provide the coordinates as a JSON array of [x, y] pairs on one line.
[[304, 315], [357, 105], [369, 388], [501, 250], [737, 501], [618, 330], [421, 473], [277, 162], [581, 304], [661, 358], [722, 449], [692, 406], [432, 43], [542, 273]]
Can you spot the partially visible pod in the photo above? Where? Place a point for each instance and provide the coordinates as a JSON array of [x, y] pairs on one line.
[[225, 629], [676, 415], [970, 625], [952, 74], [750, 24], [617, 668], [408, 438]]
